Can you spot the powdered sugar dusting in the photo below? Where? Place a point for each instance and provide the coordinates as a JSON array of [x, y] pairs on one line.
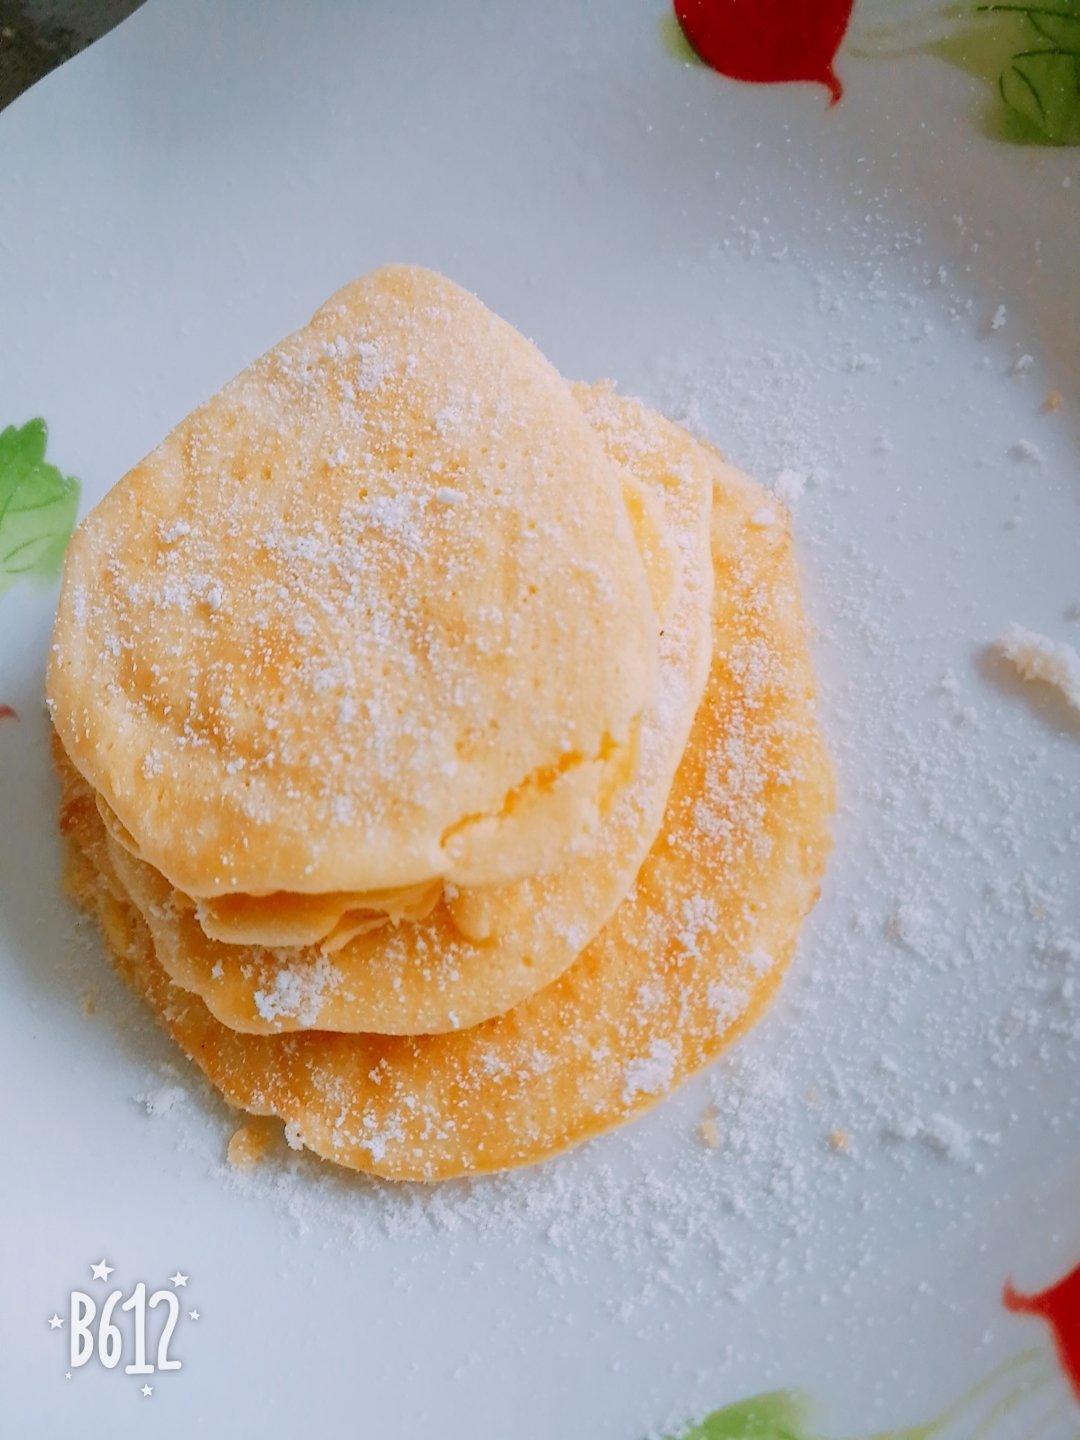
[[650, 1074], [1037, 657], [298, 990]]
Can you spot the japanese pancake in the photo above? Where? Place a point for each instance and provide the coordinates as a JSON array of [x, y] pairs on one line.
[[373, 617], [479, 952], [687, 961]]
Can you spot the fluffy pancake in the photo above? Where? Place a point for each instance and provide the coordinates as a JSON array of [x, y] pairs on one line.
[[308, 644], [686, 963], [481, 951], [286, 919]]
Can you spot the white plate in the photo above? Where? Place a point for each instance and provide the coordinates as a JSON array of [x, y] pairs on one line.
[[814, 288]]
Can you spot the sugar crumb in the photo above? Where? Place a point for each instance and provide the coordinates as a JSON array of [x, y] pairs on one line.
[[1037, 657]]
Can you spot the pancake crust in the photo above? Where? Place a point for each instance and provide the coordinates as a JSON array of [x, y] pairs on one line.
[[480, 952], [687, 962], [307, 645]]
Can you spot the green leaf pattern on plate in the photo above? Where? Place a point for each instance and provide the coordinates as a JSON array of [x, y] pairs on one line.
[[1011, 1395], [776, 1415], [38, 505], [1040, 82], [1026, 52]]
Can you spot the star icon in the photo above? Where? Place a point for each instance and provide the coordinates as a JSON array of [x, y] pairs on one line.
[[147, 1391], [102, 1270], [177, 1280], [193, 1314], [67, 1374], [55, 1322]]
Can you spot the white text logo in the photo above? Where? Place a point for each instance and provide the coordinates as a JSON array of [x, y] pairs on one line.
[[128, 1328]]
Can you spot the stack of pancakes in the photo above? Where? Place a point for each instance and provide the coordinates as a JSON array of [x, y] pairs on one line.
[[437, 740]]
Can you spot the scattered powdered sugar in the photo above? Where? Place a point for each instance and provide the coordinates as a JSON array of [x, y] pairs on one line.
[[163, 1100], [789, 485], [292, 1136], [698, 916], [915, 927], [650, 1074], [298, 990], [1038, 658], [175, 531], [727, 1001]]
